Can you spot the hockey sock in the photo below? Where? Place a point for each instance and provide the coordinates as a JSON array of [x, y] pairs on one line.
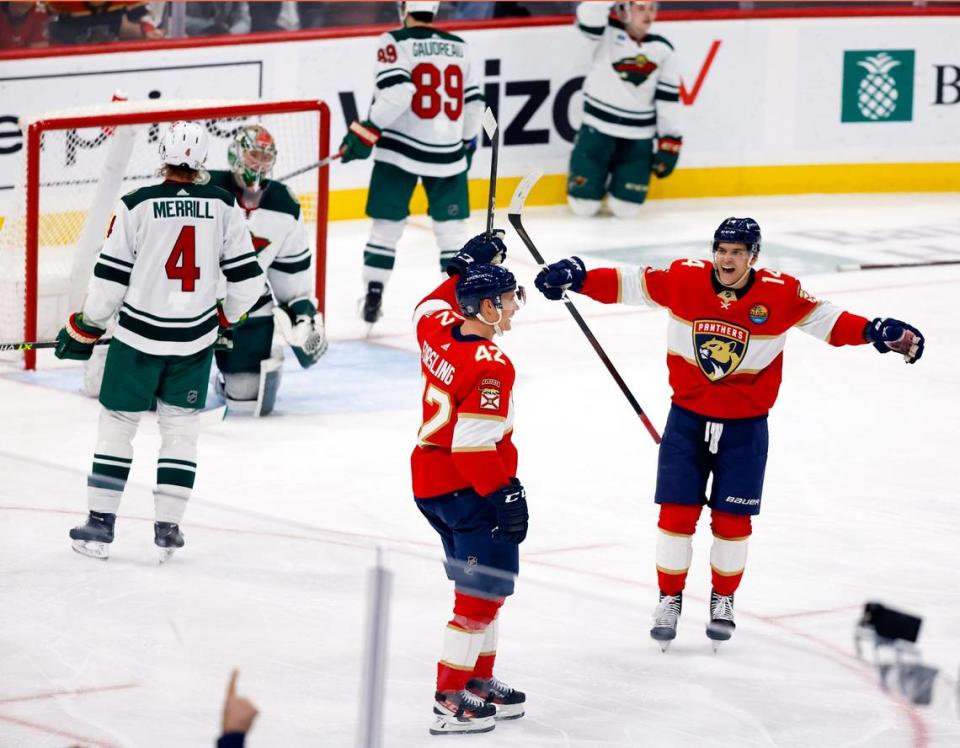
[[676, 526], [380, 254], [177, 462], [451, 236], [728, 555], [111, 460], [488, 652], [463, 640]]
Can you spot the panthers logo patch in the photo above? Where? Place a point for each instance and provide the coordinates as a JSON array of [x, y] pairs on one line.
[[634, 70], [719, 346]]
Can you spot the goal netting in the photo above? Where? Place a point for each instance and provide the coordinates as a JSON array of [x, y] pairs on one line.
[[76, 165]]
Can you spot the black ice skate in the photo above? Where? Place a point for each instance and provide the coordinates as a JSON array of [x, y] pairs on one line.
[[167, 537], [94, 538], [510, 703], [665, 619], [372, 302], [721, 625], [459, 712]]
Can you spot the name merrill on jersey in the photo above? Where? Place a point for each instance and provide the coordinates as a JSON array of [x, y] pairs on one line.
[[437, 365], [444, 49], [181, 209]]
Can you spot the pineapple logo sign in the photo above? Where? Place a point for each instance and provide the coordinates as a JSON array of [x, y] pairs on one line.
[[877, 86]]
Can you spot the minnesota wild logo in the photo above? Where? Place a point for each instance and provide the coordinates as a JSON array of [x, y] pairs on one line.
[[634, 70], [720, 347], [259, 243]]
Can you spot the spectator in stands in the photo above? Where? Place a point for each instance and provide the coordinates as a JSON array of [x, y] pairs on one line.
[[265, 16], [98, 22], [318, 15], [238, 716], [207, 19], [22, 24]]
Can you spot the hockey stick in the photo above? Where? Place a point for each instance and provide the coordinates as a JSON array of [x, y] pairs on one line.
[[5, 347], [514, 216], [896, 265], [493, 133], [316, 165]]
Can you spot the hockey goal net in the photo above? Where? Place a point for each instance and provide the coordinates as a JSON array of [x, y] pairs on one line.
[[77, 164]]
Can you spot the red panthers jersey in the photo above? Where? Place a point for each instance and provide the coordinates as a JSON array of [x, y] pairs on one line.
[[725, 347], [465, 437]]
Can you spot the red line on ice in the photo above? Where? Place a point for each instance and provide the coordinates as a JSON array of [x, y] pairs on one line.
[[54, 731], [69, 692]]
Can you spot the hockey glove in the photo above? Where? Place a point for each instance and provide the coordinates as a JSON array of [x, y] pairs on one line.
[[469, 149], [77, 338], [557, 277], [483, 249], [510, 503], [302, 327], [893, 335], [359, 141], [224, 341], [665, 159]]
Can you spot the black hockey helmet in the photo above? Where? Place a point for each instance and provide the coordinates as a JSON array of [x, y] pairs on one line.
[[743, 230]]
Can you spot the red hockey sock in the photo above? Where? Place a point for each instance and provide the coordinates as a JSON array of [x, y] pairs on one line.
[[464, 640], [728, 555], [676, 526]]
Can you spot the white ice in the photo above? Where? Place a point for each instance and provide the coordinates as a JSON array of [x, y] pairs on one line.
[[861, 503]]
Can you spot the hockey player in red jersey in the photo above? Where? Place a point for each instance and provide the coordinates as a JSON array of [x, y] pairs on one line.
[[726, 333], [464, 475]]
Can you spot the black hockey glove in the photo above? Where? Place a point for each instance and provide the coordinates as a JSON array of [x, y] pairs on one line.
[[510, 503], [483, 249], [77, 338], [893, 335], [665, 159], [557, 277]]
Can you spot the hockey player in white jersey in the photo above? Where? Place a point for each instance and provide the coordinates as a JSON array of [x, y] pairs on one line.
[[631, 110], [422, 124], [159, 267], [250, 368]]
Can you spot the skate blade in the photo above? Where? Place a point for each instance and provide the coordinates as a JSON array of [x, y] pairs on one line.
[[92, 548], [444, 725], [510, 711], [665, 645], [165, 554], [716, 645]]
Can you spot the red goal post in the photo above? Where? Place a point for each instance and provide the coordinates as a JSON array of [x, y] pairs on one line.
[[73, 177]]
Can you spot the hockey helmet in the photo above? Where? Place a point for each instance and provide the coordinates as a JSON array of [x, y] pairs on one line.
[[252, 155], [481, 282], [184, 144], [625, 11], [743, 230], [406, 8]]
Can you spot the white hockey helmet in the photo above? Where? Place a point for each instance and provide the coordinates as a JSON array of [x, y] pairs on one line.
[[406, 8], [184, 144]]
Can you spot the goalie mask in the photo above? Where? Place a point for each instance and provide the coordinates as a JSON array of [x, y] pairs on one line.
[[252, 155]]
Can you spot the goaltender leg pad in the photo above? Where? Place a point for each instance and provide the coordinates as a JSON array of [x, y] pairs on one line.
[[741, 462], [477, 564], [252, 343], [630, 170], [683, 463], [270, 373], [590, 163], [390, 191]]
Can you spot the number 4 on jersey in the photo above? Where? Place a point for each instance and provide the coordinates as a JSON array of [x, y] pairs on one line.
[[182, 262]]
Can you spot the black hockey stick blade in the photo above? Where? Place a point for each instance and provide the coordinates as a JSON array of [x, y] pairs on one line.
[[895, 265], [490, 128], [514, 216], [28, 346]]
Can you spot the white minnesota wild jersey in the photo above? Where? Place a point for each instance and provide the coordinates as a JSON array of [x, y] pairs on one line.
[[281, 242], [633, 88], [160, 266], [427, 101]]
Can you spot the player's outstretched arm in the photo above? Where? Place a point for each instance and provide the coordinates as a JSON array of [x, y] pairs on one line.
[[888, 334], [554, 280], [483, 249]]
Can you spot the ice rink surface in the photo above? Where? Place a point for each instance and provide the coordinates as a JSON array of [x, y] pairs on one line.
[[860, 504]]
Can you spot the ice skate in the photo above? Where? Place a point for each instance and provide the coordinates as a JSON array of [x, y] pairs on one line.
[[510, 703], [167, 537], [665, 619], [721, 625], [459, 712], [94, 538], [372, 303]]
